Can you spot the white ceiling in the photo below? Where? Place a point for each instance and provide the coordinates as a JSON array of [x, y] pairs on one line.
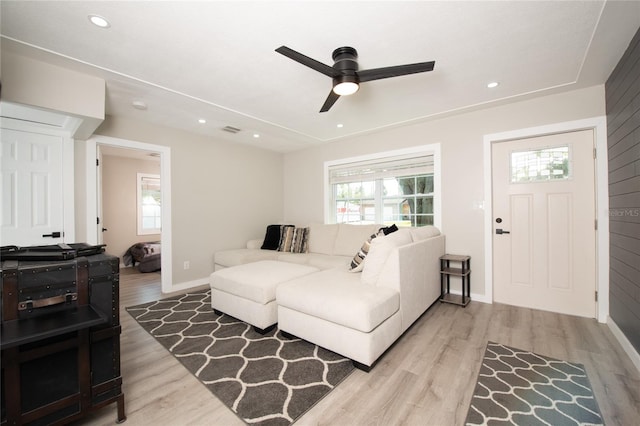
[[216, 60]]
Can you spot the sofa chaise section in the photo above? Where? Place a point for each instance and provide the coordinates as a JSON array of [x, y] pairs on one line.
[[356, 314], [360, 315], [248, 291]]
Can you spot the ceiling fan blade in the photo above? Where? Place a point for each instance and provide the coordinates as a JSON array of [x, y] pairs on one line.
[[380, 73], [307, 61], [331, 99]]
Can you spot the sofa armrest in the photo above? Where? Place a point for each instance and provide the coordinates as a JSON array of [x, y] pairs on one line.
[[254, 244], [414, 271]]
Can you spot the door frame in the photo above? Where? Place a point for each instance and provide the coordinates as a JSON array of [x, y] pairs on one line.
[[92, 199], [599, 127]]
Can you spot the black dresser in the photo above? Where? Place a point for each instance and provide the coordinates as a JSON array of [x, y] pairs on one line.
[[60, 339]]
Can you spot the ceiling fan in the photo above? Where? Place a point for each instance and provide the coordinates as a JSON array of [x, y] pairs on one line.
[[345, 74]]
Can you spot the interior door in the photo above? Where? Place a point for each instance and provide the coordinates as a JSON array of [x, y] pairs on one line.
[[544, 244], [32, 189]]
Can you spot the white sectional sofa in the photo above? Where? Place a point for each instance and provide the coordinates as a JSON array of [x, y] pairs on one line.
[[330, 246], [356, 314]]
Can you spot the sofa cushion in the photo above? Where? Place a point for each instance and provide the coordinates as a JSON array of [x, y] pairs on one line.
[[339, 297], [294, 240], [379, 252], [350, 237], [228, 258], [322, 238], [257, 281], [321, 261], [424, 232]]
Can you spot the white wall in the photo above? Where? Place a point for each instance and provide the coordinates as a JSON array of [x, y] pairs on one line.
[[34, 83], [120, 201], [223, 194], [461, 139]]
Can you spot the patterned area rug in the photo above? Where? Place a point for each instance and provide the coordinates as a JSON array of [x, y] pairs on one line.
[[264, 379], [522, 388]]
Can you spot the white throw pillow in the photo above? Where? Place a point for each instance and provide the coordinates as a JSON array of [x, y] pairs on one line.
[[379, 251]]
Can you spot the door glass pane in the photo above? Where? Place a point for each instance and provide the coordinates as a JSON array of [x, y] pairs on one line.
[[540, 165]]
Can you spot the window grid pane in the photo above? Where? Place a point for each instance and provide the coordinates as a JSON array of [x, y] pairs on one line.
[[405, 201], [149, 204]]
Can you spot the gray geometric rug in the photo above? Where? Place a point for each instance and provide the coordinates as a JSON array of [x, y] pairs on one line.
[[517, 387], [264, 379]]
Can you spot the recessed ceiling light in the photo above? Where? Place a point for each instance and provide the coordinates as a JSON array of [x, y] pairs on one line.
[[255, 135], [99, 21], [340, 126], [139, 105], [493, 84], [202, 121]]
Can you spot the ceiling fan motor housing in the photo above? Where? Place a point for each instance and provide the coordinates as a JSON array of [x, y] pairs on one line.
[[345, 61], [346, 65]]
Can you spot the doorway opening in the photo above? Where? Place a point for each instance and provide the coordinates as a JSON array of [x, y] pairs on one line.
[[116, 225]]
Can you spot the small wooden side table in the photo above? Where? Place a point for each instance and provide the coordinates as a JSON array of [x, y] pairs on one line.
[[463, 271]]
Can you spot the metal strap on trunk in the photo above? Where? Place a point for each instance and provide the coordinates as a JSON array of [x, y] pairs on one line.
[[41, 303]]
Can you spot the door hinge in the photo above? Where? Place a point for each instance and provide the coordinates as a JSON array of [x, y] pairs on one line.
[[596, 295], [97, 162], [595, 153], [595, 224], [97, 221]]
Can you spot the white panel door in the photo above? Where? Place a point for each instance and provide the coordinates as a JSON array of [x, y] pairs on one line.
[[32, 189], [544, 223]]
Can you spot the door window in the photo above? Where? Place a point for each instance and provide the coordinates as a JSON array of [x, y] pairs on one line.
[[544, 164]]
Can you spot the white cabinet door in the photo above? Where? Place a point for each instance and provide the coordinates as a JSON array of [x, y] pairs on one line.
[[32, 188]]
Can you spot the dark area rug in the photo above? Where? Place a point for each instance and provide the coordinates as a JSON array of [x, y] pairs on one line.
[[264, 379], [517, 387]]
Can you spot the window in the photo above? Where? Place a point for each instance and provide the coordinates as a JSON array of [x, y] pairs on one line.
[[388, 188], [540, 165], [149, 204]]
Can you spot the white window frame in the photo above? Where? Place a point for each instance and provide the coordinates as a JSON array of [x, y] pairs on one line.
[[141, 229], [431, 149]]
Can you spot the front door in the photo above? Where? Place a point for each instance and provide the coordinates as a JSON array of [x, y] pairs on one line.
[[32, 189], [544, 248]]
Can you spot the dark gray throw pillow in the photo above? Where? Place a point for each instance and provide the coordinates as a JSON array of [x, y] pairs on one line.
[[272, 238], [389, 229]]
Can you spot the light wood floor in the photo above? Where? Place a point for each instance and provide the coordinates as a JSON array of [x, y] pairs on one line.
[[427, 378]]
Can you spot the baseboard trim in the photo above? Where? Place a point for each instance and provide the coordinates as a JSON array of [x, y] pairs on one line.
[[474, 297], [187, 285], [624, 342]]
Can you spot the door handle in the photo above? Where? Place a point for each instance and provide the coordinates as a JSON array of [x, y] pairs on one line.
[[499, 231], [52, 235], [104, 229]]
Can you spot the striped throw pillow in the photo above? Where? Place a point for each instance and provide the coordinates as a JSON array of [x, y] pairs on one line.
[[294, 240], [357, 264]]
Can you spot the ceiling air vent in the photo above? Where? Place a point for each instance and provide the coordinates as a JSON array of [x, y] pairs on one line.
[[231, 129]]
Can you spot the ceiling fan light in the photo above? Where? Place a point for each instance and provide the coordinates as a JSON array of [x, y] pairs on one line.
[[346, 88]]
